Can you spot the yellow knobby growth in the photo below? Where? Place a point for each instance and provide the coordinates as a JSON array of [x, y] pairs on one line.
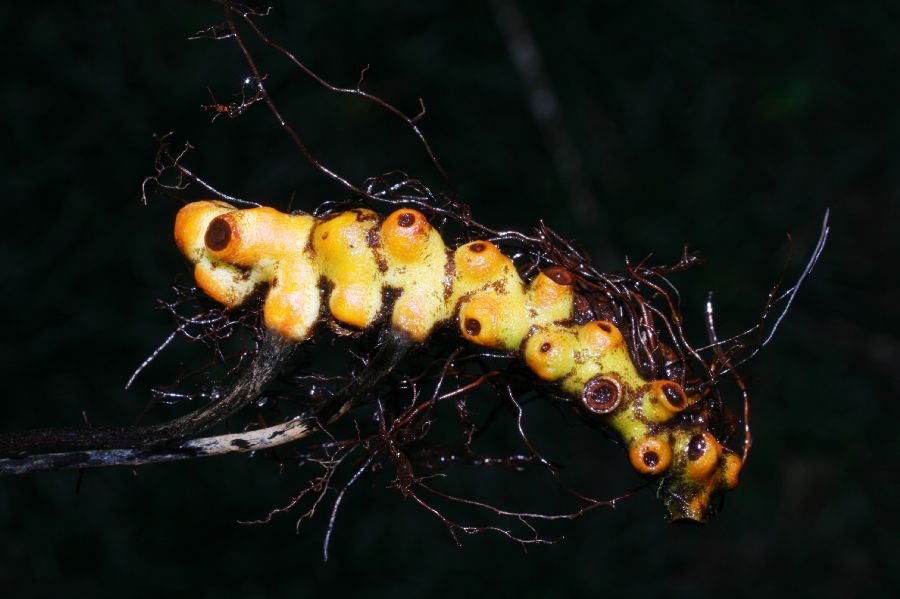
[[350, 259]]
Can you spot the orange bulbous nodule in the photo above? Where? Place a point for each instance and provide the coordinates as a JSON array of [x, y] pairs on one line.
[[548, 292], [703, 452], [191, 224], [345, 257], [354, 304], [550, 353], [413, 316], [246, 237], [342, 241], [661, 400], [479, 260], [292, 303], [600, 337], [671, 395], [479, 320], [404, 234], [227, 286], [650, 455]]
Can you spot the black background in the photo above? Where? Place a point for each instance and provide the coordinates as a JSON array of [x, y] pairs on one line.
[[718, 124]]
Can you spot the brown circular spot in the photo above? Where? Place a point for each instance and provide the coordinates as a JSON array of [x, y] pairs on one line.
[[560, 275], [406, 219], [218, 234], [651, 459], [605, 326], [696, 447], [601, 395], [545, 347], [325, 235], [477, 247], [473, 327], [675, 395]]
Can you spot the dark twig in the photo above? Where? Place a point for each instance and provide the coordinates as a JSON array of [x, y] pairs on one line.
[[257, 440]]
